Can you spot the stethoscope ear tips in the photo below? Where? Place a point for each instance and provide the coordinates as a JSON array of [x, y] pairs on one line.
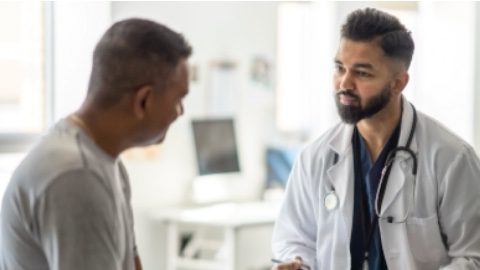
[[390, 219]]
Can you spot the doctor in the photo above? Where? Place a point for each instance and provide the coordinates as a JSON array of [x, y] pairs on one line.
[[389, 187]]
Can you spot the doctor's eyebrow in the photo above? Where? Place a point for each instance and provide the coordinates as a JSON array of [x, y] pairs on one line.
[[362, 65]]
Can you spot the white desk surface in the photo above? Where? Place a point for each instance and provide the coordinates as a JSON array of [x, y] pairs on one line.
[[222, 214]]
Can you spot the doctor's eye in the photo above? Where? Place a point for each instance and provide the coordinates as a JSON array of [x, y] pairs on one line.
[[364, 74], [339, 69]]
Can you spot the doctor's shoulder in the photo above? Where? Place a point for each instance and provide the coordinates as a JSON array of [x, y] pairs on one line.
[[435, 137], [439, 146]]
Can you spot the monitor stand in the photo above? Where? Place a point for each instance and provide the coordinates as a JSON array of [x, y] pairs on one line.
[[215, 188]]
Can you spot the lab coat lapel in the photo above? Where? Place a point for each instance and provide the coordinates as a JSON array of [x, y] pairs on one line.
[[340, 174], [399, 173]]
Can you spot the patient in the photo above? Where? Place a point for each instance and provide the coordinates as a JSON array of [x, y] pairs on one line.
[[67, 205]]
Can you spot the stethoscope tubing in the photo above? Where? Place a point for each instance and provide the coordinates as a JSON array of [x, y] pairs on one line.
[[388, 163]]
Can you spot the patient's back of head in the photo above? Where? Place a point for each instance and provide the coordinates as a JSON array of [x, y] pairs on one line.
[[133, 53]]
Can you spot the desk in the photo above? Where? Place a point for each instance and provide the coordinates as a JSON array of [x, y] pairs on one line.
[[236, 235]]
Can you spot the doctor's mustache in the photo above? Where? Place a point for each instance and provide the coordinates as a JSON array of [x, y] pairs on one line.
[[347, 92]]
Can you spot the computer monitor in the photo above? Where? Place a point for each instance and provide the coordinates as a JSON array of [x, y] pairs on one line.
[[215, 146], [219, 177]]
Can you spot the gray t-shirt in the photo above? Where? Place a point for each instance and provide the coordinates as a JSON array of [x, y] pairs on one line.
[[67, 206]]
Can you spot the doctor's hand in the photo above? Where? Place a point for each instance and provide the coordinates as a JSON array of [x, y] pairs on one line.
[[294, 264]]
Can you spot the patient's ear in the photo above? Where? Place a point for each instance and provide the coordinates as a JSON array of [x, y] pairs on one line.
[[140, 101]]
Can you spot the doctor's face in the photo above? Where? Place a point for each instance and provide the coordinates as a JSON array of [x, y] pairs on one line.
[[362, 80]]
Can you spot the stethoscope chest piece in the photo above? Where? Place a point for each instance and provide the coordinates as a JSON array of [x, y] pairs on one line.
[[331, 200]]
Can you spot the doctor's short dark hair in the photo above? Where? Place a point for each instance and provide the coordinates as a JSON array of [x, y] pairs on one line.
[[133, 53], [393, 37]]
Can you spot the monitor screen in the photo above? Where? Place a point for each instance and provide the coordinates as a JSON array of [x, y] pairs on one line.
[[215, 146]]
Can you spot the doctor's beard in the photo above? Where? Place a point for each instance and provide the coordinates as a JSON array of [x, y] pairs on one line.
[[351, 114]]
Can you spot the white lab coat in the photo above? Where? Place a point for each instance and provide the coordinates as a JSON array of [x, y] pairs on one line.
[[442, 230]]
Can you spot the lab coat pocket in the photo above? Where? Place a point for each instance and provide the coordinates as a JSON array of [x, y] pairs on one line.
[[425, 239]]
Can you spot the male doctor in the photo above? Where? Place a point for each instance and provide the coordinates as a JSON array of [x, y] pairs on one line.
[[389, 187]]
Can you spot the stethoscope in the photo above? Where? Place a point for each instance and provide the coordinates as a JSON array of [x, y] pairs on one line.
[[331, 200]]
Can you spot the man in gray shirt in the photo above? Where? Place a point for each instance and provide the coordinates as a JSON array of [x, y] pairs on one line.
[[67, 205]]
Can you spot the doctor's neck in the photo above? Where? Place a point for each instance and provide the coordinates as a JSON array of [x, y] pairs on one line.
[[376, 130]]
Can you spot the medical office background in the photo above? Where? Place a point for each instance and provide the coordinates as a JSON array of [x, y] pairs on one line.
[[265, 65]]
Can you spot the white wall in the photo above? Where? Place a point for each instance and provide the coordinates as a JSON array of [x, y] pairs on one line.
[[447, 90], [306, 47], [77, 28]]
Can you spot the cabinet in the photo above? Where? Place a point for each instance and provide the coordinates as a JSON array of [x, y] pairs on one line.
[[227, 236]]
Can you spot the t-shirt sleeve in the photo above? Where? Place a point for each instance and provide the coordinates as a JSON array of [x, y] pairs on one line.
[[77, 227], [128, 195]]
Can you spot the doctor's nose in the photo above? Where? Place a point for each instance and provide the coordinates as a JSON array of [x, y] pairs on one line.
[[345, 81], [179, 109]]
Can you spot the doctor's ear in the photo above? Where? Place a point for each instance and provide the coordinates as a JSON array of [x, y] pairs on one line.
[[140, 101], [400, 82]]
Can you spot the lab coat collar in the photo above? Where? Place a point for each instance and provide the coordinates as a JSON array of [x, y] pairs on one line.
[[341, 142], [394, 187], [340, 174], [407, 119]]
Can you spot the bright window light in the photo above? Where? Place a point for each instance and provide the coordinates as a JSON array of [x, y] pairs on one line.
[[21, 67]]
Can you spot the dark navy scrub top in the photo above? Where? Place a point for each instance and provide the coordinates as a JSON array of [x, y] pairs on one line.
[[367, 178]]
